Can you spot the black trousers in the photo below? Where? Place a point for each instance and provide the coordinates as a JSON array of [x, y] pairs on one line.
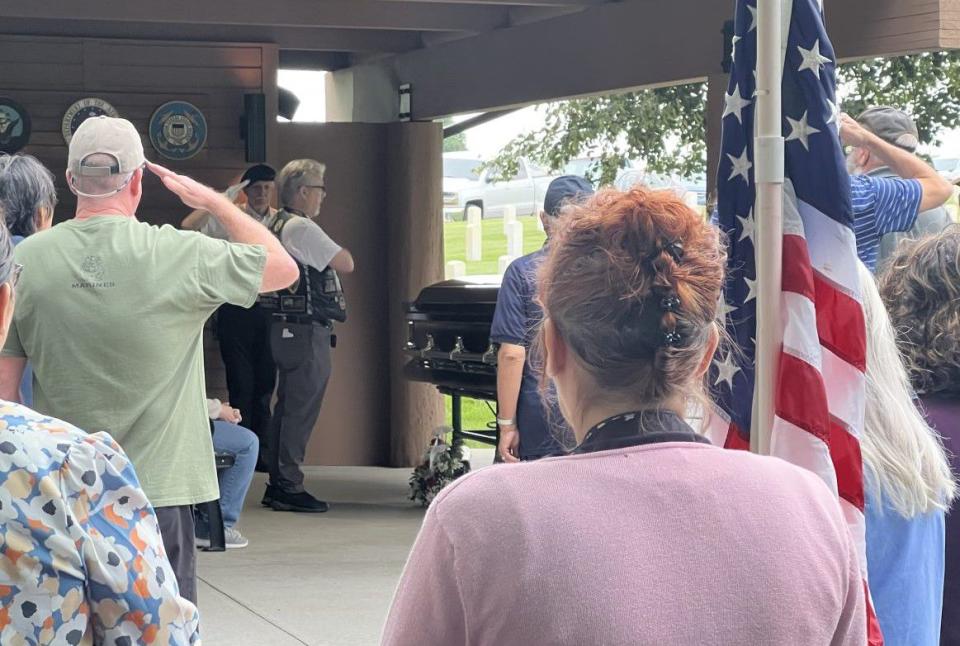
[[302, 354], [251, 374], [176, 529]]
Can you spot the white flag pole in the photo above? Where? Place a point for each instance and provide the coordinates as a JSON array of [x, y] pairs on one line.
[[768, 175]]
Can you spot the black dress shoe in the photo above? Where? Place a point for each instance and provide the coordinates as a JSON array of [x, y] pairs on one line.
[[283, 501], [267, 496]]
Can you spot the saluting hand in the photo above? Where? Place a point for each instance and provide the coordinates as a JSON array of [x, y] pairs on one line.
[[191, 192], [852, 133]]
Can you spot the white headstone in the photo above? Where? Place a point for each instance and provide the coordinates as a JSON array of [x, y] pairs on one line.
[[474, 241], [691, 199], [455, 269], [514, 232], [503, 262], [509, 216], [474, 214]]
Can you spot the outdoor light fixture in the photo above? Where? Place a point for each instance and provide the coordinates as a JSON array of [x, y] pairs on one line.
[[405, 111]]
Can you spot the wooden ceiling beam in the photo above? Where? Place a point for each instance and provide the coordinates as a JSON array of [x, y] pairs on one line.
[[350, 14]]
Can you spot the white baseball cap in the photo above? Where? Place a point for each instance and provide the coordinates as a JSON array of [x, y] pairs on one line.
[[104, 136]]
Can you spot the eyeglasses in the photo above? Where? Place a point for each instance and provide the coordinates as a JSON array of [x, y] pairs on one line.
[[15, 275]]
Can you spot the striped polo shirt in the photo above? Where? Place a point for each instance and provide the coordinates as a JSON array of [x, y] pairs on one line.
[[881, 205]]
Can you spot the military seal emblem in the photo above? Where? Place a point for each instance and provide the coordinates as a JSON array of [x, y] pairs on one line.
[[83, 110], [178, 130], [14, 126]]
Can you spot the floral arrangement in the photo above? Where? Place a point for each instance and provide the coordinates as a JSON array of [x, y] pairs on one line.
[[442, 464]]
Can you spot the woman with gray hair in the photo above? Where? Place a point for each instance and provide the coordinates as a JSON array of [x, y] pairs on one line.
[[908, 488], [27, 195], [921, 286], [27, 200]]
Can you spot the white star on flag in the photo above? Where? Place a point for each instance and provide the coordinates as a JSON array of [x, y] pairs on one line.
[[741, 166], [801, 130], [734, 104], [834, 113], [751, 289], [726, 370], [748, 227], [812, 59], [725, 308], [753, 18]]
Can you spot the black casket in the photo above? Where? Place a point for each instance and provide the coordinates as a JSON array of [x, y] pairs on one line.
[[448, 343]]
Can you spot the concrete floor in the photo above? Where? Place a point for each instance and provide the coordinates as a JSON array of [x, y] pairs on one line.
[[318, 579]]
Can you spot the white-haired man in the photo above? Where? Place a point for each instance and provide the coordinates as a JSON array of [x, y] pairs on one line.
[[111, 315], [302, 332]]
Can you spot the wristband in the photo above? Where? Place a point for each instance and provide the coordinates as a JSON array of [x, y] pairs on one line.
[[506, 422]]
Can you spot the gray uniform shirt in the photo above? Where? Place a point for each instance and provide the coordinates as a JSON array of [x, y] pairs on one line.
[[301, 237]]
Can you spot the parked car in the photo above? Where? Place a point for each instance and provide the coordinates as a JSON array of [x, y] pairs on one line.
[[696, 184], [524, 190], [460, 170], [631, 177], [948, 167]]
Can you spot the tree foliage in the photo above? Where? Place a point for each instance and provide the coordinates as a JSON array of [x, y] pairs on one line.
[[666, 127], [457, 142]]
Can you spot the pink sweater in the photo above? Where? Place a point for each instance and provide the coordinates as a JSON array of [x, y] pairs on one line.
[[673, 543]]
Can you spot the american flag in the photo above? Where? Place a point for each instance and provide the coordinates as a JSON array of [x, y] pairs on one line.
[[819, 394]]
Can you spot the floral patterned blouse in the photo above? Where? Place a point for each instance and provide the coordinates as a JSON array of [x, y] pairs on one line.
[[81, 558]]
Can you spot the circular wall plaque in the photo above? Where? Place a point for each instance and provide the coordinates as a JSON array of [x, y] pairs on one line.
[[83, 110], [14, 126], [178, 130]]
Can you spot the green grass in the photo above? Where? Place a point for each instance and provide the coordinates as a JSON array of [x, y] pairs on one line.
[[494, 243], [475, 415]]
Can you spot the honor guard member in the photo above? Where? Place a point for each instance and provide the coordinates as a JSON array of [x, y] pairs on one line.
[[301, 334], [526, 433], [244, 333]]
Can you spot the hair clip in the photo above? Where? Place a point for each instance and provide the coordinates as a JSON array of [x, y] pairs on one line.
[[675, 249], [672, 338], [670, 303]]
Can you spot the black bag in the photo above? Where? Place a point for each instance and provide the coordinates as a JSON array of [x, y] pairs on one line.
[[329, 300]]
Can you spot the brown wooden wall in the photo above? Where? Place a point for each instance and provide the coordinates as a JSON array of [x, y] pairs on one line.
[[46, 75]]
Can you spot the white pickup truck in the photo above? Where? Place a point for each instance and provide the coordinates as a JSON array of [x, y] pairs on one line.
[[524, 190]]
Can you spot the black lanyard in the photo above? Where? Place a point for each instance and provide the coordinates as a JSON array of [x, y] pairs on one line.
[[638, 428]]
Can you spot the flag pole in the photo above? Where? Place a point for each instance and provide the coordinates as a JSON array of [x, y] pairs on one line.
[[768, 174]]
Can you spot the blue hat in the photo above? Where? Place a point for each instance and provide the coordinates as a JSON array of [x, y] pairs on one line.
[[564, 190]]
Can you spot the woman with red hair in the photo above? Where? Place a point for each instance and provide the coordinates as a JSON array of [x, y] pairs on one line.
[[644, 533]]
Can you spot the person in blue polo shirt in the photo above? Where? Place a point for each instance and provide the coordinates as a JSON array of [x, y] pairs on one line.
[[527, 429], [889, 185]]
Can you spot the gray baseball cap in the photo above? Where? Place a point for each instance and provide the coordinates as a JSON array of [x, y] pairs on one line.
[[115, 138], [892, 125]]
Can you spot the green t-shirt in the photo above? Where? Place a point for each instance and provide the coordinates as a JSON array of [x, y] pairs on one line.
[[110, 313]]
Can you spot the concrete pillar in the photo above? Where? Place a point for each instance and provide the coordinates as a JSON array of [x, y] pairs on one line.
[[415, 260], [365, 93], [716, 91]]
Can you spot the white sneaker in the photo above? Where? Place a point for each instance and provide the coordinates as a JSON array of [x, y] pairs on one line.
[[235, 539]]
